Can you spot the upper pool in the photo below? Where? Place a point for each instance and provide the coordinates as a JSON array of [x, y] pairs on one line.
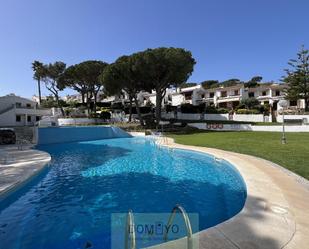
[[70, 205]]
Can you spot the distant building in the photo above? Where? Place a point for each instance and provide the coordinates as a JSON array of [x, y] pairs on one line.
[[18, 111], [231, 96]]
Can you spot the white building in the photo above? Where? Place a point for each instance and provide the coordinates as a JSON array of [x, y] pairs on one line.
[[18, 111], [229, 97]]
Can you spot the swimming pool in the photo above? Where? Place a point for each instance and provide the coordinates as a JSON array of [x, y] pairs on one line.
[[70, 205]]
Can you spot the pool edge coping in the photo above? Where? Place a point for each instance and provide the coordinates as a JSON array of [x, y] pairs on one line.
[[37, 167]]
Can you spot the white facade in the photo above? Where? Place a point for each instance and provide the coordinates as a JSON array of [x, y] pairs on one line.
[[230, 97], [18, 111]]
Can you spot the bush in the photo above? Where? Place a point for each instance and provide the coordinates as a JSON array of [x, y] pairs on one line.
[[189, 108], [246, 111], [250, 103], [223, 110], [105, 115], [211, 109]]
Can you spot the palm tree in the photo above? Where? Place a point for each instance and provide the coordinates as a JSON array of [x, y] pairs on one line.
[[38, 69]]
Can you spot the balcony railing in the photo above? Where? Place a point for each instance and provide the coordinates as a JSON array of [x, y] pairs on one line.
[[230, 96]]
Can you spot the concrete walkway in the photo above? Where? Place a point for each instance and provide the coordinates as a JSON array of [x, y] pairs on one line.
[[275, 215], [20, 166]]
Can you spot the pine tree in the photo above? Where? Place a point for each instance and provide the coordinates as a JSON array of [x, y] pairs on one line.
[[297, 77]]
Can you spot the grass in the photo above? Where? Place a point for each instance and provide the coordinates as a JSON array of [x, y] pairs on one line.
[[294, 155]]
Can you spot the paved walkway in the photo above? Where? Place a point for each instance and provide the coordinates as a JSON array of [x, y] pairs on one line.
[[20, 166], [275, 215]]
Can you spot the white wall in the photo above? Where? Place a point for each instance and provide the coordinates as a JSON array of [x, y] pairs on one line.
[[224, 116], [188, 116], [77, 121], [8, 118], [279, 117], [248, 127], [278, 128], [221, 127], [249, 117], [177, 99]]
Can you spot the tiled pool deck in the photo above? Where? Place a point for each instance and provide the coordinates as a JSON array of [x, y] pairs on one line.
[[21, 165], [275, 215]]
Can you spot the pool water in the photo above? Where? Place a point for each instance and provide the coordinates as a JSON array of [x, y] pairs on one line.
[[70, 205]]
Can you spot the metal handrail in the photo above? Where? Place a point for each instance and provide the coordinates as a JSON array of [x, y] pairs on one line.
[[130, 230], [187, 222]]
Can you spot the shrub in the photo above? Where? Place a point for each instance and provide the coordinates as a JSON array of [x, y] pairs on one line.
[[246, 111], [188, 108], [250, 103], [223, 110], [105, 115]]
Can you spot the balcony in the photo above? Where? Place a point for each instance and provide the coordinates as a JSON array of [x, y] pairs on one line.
[[229, 98]]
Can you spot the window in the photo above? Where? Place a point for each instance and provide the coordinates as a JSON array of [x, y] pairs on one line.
[[251, 94], [28, 118], [202, 96], [223, 94], [236, 92], [277, 93], [264, 93], [211, 95], [188, 96], [37, 118], [293, 102], [18, 104], [28, 105], [18, 118]]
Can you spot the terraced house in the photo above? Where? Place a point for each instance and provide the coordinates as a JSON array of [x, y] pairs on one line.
[[229, 97]]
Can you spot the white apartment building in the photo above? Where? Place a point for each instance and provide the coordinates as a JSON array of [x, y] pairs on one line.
[[18, 111], [229, 97]]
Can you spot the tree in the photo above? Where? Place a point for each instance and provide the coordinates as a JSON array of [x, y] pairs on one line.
[[90, 72], [39, 71], [126, 74], [184, 85], [73, 78], [254, 82], [84, 78], [230, 82], [297, 77], [210, 84], [165, 67], [53, 72]]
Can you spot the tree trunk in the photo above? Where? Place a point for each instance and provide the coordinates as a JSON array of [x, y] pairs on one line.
[[158, 106], [39, 88], [307, 105], [138, 112], [95, 101], [58, 105], [83, 97], [87, 103], [130, 109]]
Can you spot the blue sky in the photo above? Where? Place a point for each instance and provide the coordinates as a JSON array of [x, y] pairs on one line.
[[228, 39]]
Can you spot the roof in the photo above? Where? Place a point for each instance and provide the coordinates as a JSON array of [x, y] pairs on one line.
[[14, 96]]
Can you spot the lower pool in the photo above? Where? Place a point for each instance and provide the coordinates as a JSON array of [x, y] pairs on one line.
[[70, 205]]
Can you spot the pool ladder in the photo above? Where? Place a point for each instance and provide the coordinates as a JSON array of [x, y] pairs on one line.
[[130, 230]]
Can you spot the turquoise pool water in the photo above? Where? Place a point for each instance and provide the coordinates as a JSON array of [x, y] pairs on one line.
[[70, 205]]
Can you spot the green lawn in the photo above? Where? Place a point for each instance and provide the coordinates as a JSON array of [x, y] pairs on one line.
[[294, 155]]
